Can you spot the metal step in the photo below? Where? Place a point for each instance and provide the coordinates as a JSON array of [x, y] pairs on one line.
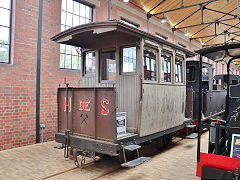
[[191, 126], [132, 147], [192, 136], [59, 146], [135, 162]]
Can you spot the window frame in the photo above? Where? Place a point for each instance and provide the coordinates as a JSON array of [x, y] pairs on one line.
[[67, 27], [100, 66], [183, 70], [194, 73], [84, 74], [10, 33], [121, 60], [171, 53], [146, 46]]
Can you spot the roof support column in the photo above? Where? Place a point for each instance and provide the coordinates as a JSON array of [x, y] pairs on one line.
[[148, 20], [109, 9], [38, 75]]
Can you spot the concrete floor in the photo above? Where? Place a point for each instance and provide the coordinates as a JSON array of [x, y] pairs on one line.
[[42, 161]]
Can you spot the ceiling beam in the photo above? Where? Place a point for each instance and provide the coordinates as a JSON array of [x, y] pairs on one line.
[[184, 7], [211, 24], [220, 34], [225, 30], [232, 26], [221, 12], [156, 6], [187, 17], [205, 23]]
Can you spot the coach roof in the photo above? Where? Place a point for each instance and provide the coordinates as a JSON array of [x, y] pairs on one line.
[[100, 34]]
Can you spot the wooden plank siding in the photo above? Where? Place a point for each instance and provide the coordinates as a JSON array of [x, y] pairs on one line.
[[163, 107]]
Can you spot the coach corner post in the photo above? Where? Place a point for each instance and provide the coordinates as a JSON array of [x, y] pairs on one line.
[[200, 109]]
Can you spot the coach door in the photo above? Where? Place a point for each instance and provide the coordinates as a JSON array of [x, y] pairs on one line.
[[129, 86]]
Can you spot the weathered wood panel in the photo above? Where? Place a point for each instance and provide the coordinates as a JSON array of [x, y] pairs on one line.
[[163, 107], [92, 81], [128, 99], [189, 103]]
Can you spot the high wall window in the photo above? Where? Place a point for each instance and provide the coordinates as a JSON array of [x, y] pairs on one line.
[[73, 13], [179, 70], [5, 30], [150, 65], [166, 67], [129, 59]]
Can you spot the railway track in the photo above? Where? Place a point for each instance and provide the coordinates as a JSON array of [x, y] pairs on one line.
[[88, 165]]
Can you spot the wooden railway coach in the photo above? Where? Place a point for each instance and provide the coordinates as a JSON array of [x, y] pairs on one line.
[[128, 73]]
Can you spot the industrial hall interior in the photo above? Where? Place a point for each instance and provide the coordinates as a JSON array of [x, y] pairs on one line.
[[120, 89]]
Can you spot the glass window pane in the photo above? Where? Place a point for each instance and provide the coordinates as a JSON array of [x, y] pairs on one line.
[[75, 20], [90, 63], [68, 60], [70, 16], [76, 7], [4, 14], [64, 5], [4, 53], [62, 48], [108, 66], [62, 59], [63, 17], [88, 20], [178, 70], [75, 62], [129, 59], [5, 4], [82, 10], [88, 12], [69, 19], [149, 65], [68, 49], [4, 35], [67, 27], [190, 72], [70, 6], [166, 68], [82, 20], [63, 28], [75, 51]]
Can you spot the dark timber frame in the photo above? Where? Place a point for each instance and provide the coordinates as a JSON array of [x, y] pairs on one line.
[[202, 7]]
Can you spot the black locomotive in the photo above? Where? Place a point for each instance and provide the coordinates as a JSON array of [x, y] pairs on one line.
[[213, 101]]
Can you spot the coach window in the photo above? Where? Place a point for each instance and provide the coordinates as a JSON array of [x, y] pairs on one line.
[[166, 61], [73, 13], [190, 72], [108, 65], [129, 59], [89, 63], [178, 70], [5, 29], [150, 65]]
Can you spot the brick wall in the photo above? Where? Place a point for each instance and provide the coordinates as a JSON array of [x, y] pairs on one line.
[[18, 79]]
